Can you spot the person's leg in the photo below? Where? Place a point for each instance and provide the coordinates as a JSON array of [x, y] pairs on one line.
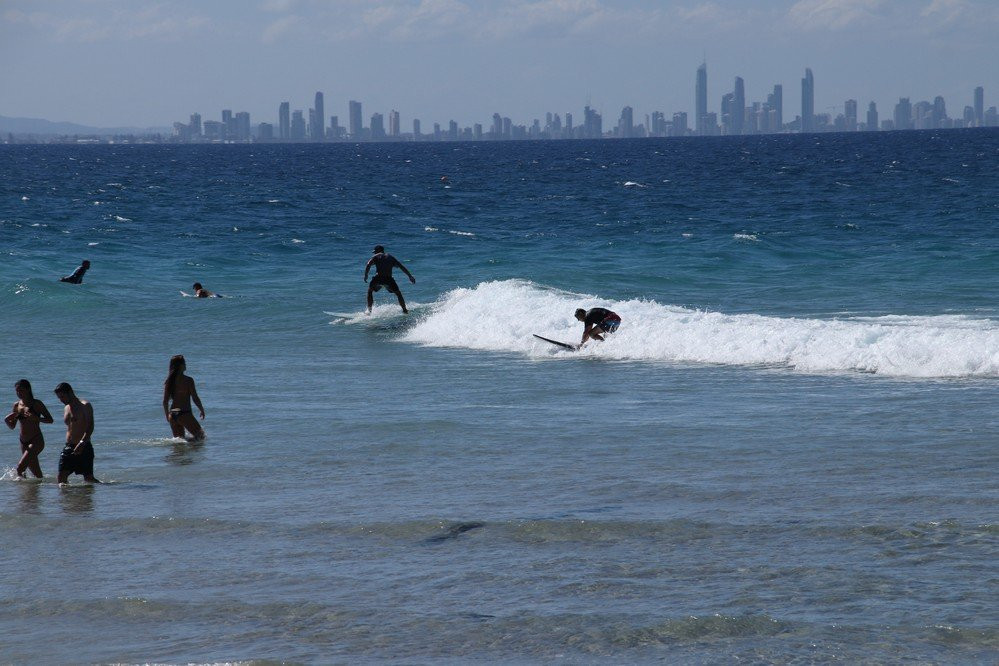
[[176, 429], [30, 457], [402, 301], [371, 299], [189, 422]]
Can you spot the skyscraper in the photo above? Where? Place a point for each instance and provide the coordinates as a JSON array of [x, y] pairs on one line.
[[196, 125], [626, 125], [318, 131], [701, 99], [394, 123], [979, 106], [808, 102], [297, 125], [939, 112], [872, 117], [355, 120], [738, 108], [416, 128], [284, 121], [377, 126], [850, 111], [903, 114]]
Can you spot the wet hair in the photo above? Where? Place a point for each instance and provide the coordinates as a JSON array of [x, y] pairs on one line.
[[378, 248], [64, 387], [86, 262], [170, 385], [26, 385], [580, 312], [197, 285]]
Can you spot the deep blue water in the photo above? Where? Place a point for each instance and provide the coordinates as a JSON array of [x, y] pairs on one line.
[[786, 454]]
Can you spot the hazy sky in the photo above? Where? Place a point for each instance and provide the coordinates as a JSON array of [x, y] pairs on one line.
[[149, 62]]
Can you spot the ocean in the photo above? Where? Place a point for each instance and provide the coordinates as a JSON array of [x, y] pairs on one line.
[[786, 454]]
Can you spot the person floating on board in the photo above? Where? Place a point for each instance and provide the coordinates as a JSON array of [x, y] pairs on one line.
[[78, 455], [597, 321], [178, 393], [30, 413], [201, 292], [76, 277], [384, 263]]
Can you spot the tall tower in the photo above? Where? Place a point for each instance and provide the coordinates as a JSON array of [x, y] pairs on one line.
[[808, 102], [778, 106], [284, 121], [701, 99], [979, 106], [318, 129], [355, 120], [872, 117], [738, 107], [850, 111]]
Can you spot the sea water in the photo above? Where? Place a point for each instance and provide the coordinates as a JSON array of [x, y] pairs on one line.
[[786, 454]]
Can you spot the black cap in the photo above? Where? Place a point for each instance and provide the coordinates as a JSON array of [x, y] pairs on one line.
[[378, 248]]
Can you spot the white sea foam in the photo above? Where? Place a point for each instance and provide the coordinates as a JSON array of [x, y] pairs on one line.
[[749, 237], [502, 316]]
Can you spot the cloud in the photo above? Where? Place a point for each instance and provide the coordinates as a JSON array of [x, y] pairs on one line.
[[832, 14], [281, 28], [152, 22]]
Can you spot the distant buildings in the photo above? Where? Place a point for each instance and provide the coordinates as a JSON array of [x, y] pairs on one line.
[[737, 117]]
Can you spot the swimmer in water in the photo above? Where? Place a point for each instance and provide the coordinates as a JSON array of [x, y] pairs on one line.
[[76, 277], [30, 413], [597, 321], [201, 292], [178, 393]]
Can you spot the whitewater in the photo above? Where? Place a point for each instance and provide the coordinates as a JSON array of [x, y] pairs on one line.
[[502, 316]]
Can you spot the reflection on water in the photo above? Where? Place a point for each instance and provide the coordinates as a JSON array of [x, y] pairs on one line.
[[28, 496], [77, 498], [184, 453]]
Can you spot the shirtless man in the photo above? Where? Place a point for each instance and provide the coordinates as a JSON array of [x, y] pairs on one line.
[[201, 292], [78, 455], [77, 276], [179, 388], [31, 413], [597, 321], [384, 263]]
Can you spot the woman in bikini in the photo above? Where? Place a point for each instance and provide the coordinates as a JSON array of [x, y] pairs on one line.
[[31, 413], [178, 392]]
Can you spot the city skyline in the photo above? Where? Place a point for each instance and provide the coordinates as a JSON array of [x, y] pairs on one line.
[[143, 63], [735, 116]]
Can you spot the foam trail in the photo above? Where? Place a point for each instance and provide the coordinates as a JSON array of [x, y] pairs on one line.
[[502, 316]]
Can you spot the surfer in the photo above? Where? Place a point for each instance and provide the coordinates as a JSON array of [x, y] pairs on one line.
[[179, 388], [78, 455], [384, 263], [76, 277], [201, 292], [30, 412], [597, 321]]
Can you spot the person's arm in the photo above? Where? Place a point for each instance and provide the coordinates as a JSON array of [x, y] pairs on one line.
[[586, 333], [367, 267], [11, 419], [166, 400], [43, 412], [406, 271], [90, 426], [197, 400]]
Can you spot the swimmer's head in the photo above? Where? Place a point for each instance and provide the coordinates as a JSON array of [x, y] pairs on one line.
[[86, 264], [23, 388], [580, 314], [378, 248], [197, 285]]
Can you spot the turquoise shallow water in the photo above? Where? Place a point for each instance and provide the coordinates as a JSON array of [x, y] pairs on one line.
[[786, 454]]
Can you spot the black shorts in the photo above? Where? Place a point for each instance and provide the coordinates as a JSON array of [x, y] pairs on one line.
[[82, 463], [377, 282]]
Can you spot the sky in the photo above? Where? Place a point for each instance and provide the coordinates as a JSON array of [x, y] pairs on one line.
[[145, 63]]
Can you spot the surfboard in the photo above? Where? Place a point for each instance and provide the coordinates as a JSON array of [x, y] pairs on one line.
[[564, 345]]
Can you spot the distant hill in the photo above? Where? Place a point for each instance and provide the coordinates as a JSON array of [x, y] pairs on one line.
[[40, 126]]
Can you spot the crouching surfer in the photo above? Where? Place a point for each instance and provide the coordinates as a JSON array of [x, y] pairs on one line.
[[597, 322]]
